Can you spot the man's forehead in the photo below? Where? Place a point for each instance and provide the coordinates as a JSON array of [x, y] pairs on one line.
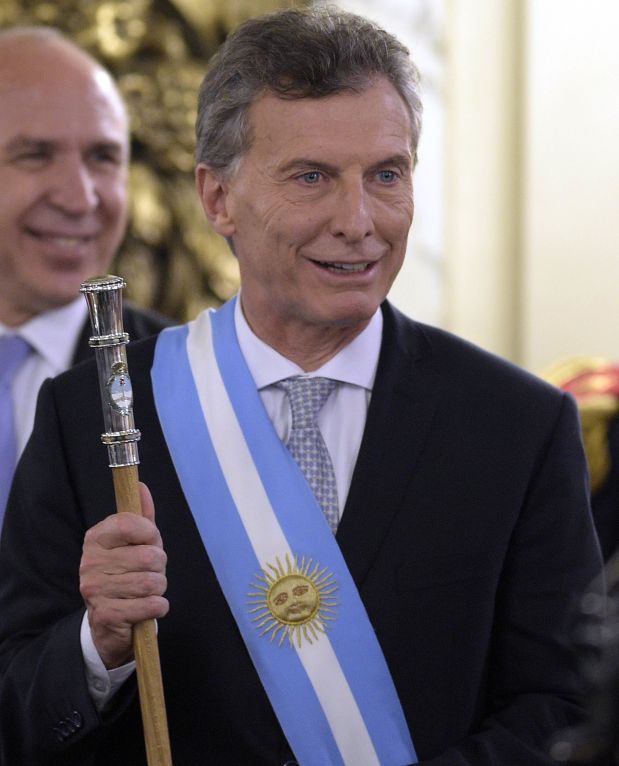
[[95, 91], [34, 112], [55, 77], [380, 93], [375, 121]]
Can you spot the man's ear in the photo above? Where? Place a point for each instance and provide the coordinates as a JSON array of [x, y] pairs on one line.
[[213, 194]]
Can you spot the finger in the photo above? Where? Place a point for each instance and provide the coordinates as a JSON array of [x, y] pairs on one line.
[[126, 585], [118, 614], [122, 529], [111, 624], [98, 561]]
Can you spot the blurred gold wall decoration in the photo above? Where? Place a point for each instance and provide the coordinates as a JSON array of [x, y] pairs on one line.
[[158, 50], [594, 383]]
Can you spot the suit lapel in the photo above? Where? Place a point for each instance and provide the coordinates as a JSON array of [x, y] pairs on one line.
[[404, 399]]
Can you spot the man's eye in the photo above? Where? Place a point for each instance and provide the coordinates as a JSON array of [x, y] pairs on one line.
[[32, 157], [387, 176], [106, 157], [311, 177]]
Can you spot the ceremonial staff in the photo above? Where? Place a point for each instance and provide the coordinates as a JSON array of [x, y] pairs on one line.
[[104, 298]]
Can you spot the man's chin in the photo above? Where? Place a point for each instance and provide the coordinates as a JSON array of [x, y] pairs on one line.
[[62, 295], [352, 314]]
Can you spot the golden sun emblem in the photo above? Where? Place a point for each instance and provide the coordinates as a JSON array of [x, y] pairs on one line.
[[295, 601]]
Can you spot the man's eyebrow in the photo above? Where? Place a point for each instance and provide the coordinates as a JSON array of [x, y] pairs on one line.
[[304, 163], [20, 143], [110, 146], [31, 143], [400, 160]]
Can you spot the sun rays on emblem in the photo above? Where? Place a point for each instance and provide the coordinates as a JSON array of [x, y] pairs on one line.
[[293, 601]]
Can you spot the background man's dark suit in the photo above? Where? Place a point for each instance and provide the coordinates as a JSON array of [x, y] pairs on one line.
[[137, 323], [466, 529]]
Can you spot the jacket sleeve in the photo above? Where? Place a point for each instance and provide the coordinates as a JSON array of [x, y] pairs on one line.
[[553, 556], [46, 713]]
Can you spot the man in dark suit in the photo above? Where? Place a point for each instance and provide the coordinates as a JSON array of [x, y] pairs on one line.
[[433, 627], [64, 150]]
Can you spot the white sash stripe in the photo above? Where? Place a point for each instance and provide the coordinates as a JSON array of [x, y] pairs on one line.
[[244, 483], [268, 541]]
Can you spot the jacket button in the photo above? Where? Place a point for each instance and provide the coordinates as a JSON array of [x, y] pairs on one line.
[[76, 719], [68, 726]]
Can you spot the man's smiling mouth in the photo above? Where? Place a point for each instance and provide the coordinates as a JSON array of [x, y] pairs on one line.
[[344, 267], [67, 241]]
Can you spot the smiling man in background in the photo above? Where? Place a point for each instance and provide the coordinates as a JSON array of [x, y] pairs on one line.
[[64, 153]]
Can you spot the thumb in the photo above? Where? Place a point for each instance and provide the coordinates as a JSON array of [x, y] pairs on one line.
[[146, 501]]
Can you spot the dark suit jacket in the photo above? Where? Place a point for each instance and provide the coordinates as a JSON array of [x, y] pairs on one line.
[[467, 530], [137, 323], [605, 502]]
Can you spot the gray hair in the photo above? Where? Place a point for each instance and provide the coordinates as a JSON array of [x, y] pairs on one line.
[[295, 54]]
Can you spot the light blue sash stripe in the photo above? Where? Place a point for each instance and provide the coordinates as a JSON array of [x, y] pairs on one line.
[[352, 635], [206, 491], [307, 534]]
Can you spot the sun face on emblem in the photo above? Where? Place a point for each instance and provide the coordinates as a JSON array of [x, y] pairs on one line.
[[294, 601]]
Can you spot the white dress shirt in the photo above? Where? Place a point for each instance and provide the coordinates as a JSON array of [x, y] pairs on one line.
[[341, 422], [342, 418], [53, 336]]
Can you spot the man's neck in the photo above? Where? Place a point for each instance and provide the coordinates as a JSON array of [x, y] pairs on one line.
[[310, 347], [14, 319]]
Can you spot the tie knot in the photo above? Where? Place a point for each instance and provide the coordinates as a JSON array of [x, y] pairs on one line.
[[13, 351], [307, 396]]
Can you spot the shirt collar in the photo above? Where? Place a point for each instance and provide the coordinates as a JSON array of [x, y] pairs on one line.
[[355, 364], [53, 334]]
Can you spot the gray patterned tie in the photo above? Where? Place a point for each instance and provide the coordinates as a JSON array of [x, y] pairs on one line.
[[305, 442]]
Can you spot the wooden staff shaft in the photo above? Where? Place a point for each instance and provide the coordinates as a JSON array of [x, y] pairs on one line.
[[145, 648]]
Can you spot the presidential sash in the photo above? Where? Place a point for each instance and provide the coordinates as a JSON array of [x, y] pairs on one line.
[[276, 559]]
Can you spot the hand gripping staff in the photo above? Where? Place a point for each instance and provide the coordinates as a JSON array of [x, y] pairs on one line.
[[104, 298]]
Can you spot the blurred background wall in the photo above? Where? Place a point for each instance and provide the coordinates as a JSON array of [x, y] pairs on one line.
[[532, 177], [515, 240]]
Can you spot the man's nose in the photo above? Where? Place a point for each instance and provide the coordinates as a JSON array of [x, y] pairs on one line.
[[352, 215], [73, 188]]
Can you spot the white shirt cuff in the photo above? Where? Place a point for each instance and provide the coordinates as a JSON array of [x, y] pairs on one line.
[[102, 683]]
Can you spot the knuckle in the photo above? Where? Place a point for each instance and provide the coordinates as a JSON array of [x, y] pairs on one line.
[[158, 605], [125, 523], [151, 558], [87, 590], [153, 583]]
